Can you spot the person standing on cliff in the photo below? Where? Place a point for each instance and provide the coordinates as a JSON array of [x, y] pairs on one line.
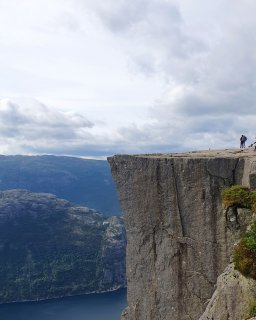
[[242, 141]]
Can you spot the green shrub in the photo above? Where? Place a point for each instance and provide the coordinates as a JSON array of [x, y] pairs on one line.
[[245, 253], [245, 250], [239, 196]]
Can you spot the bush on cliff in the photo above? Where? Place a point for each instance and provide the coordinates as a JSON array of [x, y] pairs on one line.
[[239, 196], [245, 251]]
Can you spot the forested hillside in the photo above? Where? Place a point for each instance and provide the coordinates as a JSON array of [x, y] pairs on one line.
[[51, 248]]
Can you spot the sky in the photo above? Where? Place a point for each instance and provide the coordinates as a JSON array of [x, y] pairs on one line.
[[97, 78]]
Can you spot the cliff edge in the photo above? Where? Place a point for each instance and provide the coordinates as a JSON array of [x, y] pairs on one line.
[[179, 238]]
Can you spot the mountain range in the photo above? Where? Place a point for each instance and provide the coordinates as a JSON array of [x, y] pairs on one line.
[[81, 181]]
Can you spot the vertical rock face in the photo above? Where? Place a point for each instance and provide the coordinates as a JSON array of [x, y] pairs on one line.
[[179, 241]]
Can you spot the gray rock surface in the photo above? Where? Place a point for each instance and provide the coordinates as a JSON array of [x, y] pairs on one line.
[[232, 298], [179, 240]]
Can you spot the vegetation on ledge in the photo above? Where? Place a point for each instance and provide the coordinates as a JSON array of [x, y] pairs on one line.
[[239, 196], [245, 251]]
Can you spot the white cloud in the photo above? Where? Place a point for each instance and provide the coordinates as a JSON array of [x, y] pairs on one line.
[[160, 75], [210, 98], [155, 30], [23, 126]]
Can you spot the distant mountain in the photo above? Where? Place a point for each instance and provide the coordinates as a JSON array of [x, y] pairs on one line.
[[84, 182], [51, 248]]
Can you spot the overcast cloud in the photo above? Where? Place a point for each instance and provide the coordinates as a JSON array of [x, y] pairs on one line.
[[90, 77]]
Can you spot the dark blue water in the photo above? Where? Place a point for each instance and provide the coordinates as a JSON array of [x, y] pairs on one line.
[[104, 306]]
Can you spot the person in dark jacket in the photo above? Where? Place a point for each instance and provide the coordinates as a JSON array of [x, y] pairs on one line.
[[242, 141]]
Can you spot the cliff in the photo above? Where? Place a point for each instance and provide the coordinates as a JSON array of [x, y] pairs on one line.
[[51, 248], [179, 238]]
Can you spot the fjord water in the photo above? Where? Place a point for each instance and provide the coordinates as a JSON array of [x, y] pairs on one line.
[[103, 306]]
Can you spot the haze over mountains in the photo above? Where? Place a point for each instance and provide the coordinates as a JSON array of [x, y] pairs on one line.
[[81, 181]]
